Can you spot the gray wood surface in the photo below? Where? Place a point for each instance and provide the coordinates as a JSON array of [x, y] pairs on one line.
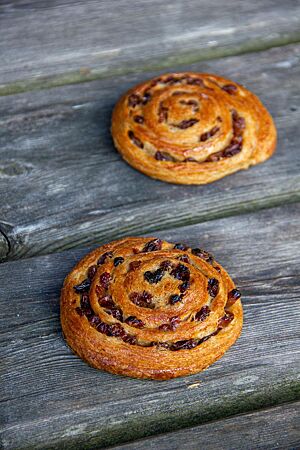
[[44, 43], [274, 428], [51, 399], [64, 185]]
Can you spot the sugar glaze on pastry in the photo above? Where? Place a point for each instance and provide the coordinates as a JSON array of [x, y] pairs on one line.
[[192, 128], [147, 308]]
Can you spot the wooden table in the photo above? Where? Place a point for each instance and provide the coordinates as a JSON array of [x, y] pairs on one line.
[[64, 189]]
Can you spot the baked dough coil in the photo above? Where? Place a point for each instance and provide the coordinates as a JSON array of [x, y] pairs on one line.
[[147, 308], [192, 128]]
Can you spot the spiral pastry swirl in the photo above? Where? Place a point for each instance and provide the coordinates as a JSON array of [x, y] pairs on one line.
[[192, 128], [147, 308]]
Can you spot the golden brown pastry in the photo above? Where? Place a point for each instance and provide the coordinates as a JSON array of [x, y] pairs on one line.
[[146, 308], [192, 128]]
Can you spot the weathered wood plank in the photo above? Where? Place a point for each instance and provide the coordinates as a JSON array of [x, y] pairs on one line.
[[273, 428], [63, 184], [50, 43], [49, 396]]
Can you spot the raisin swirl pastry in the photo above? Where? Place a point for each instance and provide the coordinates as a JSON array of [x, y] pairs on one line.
[[192, 128], [147, 308]]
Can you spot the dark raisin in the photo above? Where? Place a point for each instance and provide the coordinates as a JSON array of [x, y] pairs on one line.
[[84, 301], [209, 134], [213, 287], [117, 314], [165, 327], [105, 279], [195, 81], [134, 265], [118, 260], [214, 157], [84, 286], [202, 254], [154, 277], [239, 125], [160, 156], [184, 124], [102, 327], [138, 119], [116, 330], [134, 100], [217, 268], [88, 312], [108, 330], [181, 272], [233, 296], [174, 322], [231, 150], [135, 140], [154, 82], [166, 265], [202, 314], [229, 88], [180, 246], [225, 320], [129, 339], [79, 311], [184, 345], [184, 286], [91, 272], [94, 321], [134, 322], [184, 258], [171, 80], [146, 97], [103, 257], [153, 245], [106, 302], [143, 299], [237, 139], [175, 298]]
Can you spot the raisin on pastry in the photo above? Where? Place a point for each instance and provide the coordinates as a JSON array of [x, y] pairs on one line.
[[192, 128], [146, 308]]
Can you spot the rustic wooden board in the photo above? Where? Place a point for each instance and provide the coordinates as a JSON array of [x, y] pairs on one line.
[[45, 43], [63, 184], [50, 396], [274, 428]]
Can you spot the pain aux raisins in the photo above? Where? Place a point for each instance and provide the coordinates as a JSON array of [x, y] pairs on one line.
[[151, 294]]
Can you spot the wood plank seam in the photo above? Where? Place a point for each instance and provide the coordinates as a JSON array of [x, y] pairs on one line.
[[44, 83], [170, 440]]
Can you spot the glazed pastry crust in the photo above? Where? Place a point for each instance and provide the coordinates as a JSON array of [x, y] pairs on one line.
[[171, 338], [192, 128]]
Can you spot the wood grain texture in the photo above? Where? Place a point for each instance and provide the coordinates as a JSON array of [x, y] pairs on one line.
[[58, 42], [273, 428], [49, 396], [63, 184]]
